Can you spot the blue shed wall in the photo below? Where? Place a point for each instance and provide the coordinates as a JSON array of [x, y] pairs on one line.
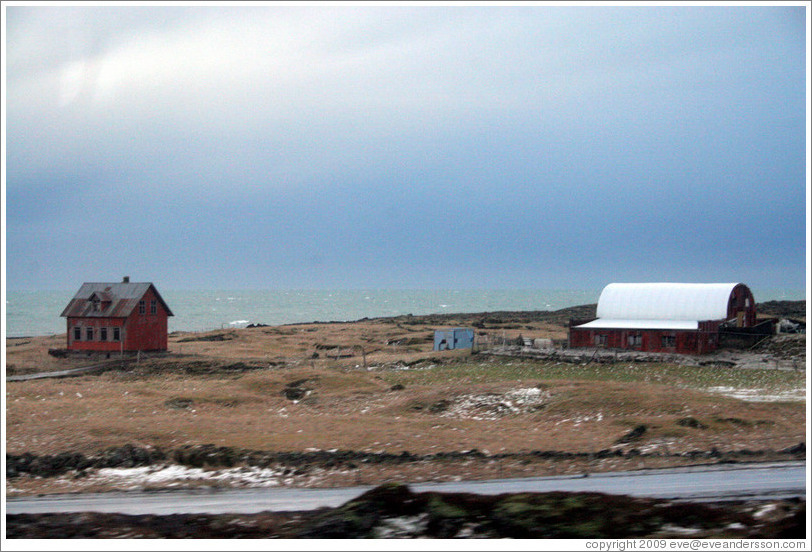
[[457, 338]]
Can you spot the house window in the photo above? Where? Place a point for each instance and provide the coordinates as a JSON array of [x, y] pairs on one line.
[[116, 334], [142, 307], [89, 333], [77, 333], [103, 334], [669, 341], [95, 305], [600, 341], [153, 307], [635, 340]]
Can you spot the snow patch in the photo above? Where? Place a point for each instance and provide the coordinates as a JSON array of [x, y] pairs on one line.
[[578, 420], [171, 475], [765, 511], [403, 526], [759, 395], [491, 406], [675, 529]]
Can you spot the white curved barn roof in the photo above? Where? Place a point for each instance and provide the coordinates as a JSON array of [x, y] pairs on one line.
[[661, 305], [665, 301]]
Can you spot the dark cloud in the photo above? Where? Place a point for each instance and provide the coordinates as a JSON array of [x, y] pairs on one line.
[[405, 146]]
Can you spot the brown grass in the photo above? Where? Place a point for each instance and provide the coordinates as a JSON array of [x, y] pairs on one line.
[[359, 410], [404, 400], [29, 355]]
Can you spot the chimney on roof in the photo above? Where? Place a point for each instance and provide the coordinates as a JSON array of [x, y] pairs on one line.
[[126, 280]]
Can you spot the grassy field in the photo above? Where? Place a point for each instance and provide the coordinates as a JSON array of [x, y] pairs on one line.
[[378, 387], [457, 405]]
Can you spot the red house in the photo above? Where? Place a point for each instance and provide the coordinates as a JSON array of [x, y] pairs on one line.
[[126, 316], [665, 317]]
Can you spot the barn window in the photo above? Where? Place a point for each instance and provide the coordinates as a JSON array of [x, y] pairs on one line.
[[116, 334], [153, 307], [669, 341], [77, 333], [600, 340], [103, 334], [635, 340], [89, 333], [142, 307]]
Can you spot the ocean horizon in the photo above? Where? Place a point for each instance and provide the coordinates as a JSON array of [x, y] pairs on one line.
[[36, 313]]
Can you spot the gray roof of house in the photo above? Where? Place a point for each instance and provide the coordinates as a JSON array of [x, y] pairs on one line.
[[122, 296]]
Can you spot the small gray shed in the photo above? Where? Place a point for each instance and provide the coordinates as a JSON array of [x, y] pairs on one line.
[[455, 338]]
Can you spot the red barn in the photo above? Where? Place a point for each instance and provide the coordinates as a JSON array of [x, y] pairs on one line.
[[665, 317], [126, 316]]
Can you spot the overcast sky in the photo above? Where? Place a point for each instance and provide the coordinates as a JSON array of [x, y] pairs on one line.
[[382, 146]]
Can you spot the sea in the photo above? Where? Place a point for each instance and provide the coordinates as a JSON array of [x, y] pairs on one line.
[[35, 313]]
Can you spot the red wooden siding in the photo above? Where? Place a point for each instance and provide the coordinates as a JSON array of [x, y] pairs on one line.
[[147, 331], [96, 324], [699, 341], [741, 301]]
